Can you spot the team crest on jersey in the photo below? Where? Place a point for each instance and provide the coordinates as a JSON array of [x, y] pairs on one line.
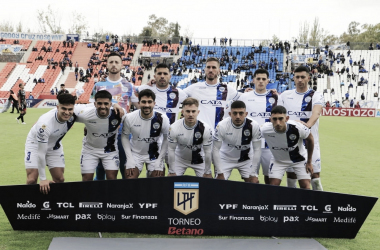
[[114, 122], [271, 100], [43, 126], [41, 130], [247, 133], [307, 99], [71, 119], [156, 125], [222, 89], [292, 137], [197, 135], [172, 95]]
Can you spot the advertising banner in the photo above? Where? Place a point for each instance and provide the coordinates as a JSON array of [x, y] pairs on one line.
[[9, 49], [378, 113], [185, 205], [156, 54], [74, 37], [352, 112], [32, 36]]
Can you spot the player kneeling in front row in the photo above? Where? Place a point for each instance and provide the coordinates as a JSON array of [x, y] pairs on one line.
[[285, 140], [100, 143], [43, 145], [234, 139], [190, 142], [147, 127]]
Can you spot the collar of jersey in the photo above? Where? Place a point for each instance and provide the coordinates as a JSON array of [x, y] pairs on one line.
[[261, 94], [148, 118], [187, 127], [56, 118], [108, 80], [287, 127], [304, 93], [96, 112], [163, 90], [233, 125], [216, 85]]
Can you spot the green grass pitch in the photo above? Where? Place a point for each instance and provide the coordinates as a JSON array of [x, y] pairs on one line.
[[350, 162]]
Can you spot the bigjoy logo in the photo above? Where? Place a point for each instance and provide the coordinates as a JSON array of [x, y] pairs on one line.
[[186, 197]]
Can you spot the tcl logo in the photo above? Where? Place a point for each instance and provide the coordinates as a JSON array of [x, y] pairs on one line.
[[64, 205], [308, 208]]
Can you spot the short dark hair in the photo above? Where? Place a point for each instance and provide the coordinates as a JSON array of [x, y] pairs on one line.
[[147, 93], [103, 94], [161, 66], [238, 105], [261, 71], [302, 69], [62, 85], [190, 101], [279, 110], [66, 99], [11, 91], [213, 59], [20, 85], [114, 54]]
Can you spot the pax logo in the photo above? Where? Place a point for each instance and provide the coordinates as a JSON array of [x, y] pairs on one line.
[[291, 219], [82, 216]]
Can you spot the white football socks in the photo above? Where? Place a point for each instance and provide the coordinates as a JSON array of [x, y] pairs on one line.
[[316, 184], [292, 183]]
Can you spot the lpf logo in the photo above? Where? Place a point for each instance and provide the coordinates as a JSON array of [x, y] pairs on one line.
[[186, 197]]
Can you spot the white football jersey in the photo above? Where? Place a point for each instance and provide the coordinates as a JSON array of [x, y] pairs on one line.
[[167, 100], [258, 106], [146, 133], [101, 132], [300, 106], [212, 100], [190, 140], [287, 147], [48, 129], [237, 141]]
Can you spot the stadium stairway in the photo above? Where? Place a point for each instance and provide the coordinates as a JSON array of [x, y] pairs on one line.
[[81, 55], [29, 51], [136, 55]]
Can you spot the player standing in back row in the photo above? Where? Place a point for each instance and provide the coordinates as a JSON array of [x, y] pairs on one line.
[[305, 104]]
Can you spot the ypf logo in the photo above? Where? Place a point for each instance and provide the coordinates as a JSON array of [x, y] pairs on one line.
[[186, 197]]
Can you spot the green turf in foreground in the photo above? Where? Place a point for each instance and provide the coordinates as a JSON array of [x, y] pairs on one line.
[[350, 162]]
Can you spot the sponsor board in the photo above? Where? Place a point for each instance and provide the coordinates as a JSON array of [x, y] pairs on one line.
[[186, 197], [32, 36], [378, 113], [351, 112]]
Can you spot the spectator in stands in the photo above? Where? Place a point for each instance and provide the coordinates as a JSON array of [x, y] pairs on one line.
[[357, 105], [49, 49], [52, 91], [342, 83], [347, 95], [362, 96], [43, 80], [375, 94], [351, 85], [63, 90], [31, 96]]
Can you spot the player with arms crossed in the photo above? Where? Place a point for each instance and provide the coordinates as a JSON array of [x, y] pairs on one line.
[[121, 91], [43, 145], [147, 127], [234, 139], [305, 104], [100, 142], [260, 103], [190, 142], [285, 139]]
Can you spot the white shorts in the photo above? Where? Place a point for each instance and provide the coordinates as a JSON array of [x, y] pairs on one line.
[[181, 165], [141, 159], [89, 160], [54, 158], [244, 168], [266, 156], [315, 160], [277, 170]]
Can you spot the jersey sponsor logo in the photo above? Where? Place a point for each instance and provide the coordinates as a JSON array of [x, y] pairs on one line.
[[298, 114], [194, 147], [285, 149], [239, 147], [136, 125], [212, 102], [147, 140], [186, 197], [260, 114], [105, 135], [163, 109]]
